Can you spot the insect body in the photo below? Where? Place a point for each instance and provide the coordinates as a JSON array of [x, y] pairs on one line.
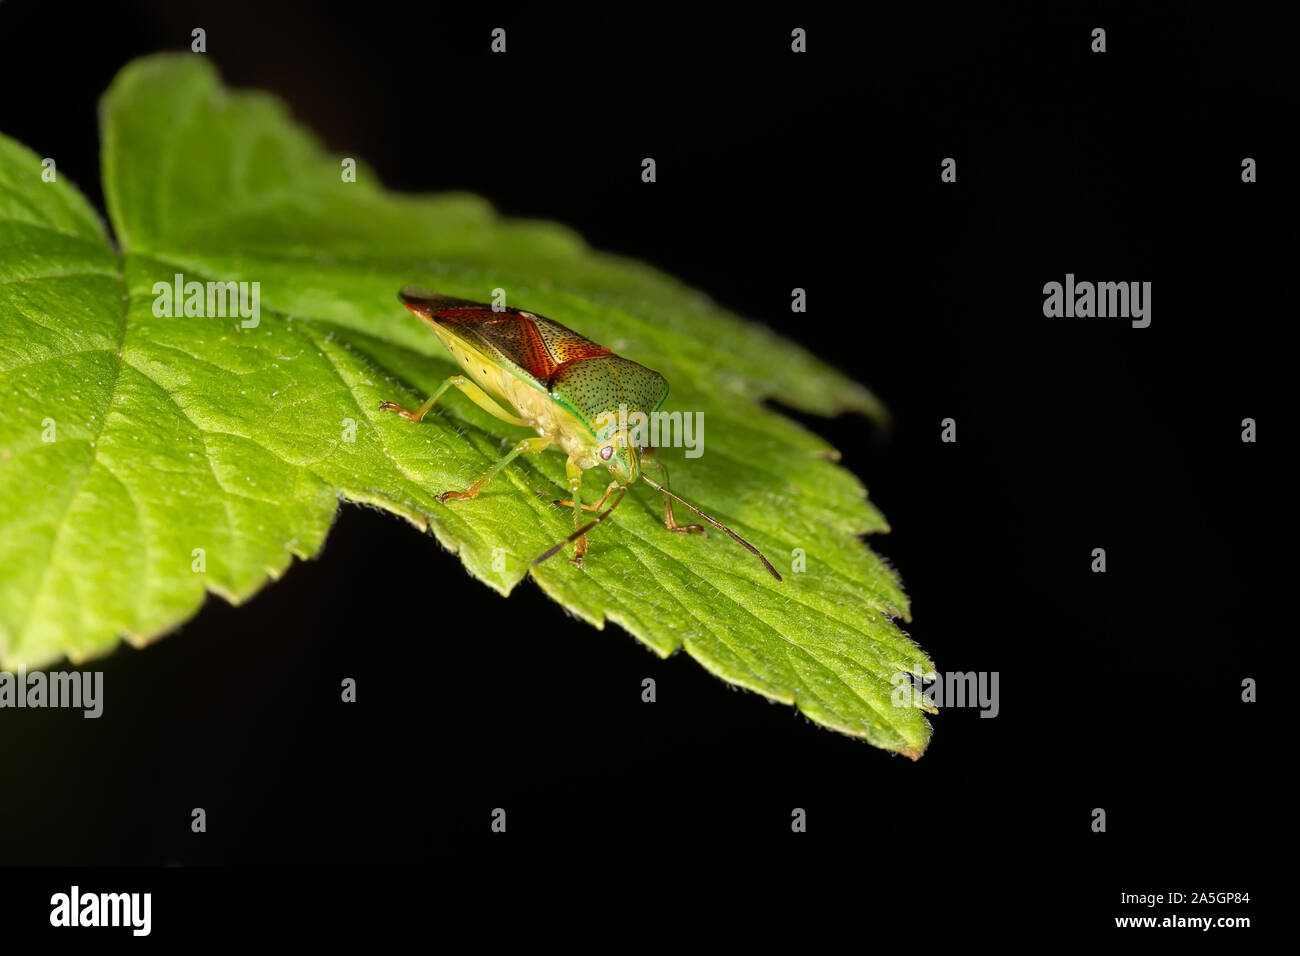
[[527, 370]]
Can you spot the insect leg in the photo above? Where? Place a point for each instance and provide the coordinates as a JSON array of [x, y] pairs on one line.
[[613, 486], [647, 458], [530, 445], [574, 472], [475, 394]]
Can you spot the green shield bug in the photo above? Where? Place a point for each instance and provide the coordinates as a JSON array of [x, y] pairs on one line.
[[526, 369]]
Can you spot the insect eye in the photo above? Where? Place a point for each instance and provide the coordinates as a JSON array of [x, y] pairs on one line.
[[606, 452]]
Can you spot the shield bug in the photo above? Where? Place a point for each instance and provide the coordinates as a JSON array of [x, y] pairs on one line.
[[528, 370]]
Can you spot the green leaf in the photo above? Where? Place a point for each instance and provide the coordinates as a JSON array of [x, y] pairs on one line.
[[196, 443]]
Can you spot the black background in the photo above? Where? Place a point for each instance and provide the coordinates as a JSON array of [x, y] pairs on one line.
[[821, 171]]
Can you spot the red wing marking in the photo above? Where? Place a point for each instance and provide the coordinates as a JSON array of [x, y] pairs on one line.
[[534, 344]]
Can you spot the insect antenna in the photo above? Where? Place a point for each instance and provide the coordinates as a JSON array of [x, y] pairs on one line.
[[580, 532], [716, 523]]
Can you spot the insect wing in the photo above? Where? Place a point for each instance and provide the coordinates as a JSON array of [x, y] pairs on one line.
[[582, 375], [531, 344]]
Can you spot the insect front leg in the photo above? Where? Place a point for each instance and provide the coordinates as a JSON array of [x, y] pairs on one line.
[[648, 459], [613, 487], [574, 471], [475, 394], [530, 445]]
